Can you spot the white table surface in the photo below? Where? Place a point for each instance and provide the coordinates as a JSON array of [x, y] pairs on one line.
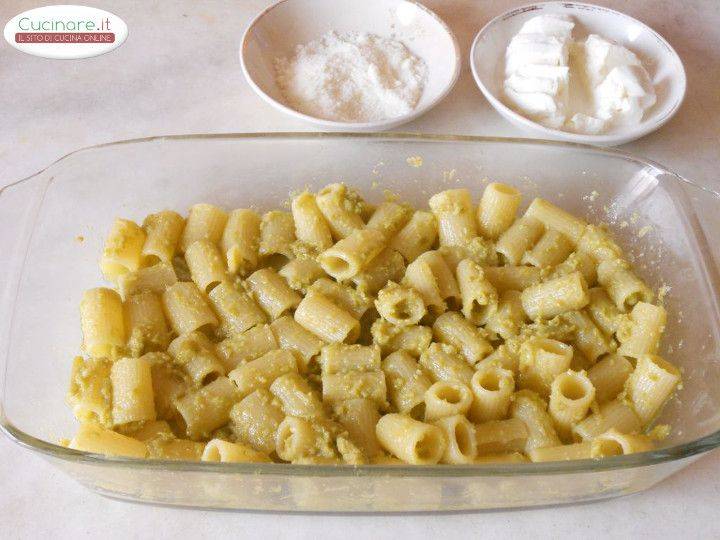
[[178, 73]]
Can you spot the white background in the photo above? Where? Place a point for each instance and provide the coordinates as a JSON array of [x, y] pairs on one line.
[[178, 73]]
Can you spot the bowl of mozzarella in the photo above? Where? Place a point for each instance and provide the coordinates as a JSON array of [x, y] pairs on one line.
[[578, 72]]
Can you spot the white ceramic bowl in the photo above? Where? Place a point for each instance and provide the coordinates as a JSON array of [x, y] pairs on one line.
[[277, 30], [487, 61]]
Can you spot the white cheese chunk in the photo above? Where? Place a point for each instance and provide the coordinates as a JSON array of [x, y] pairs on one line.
[[583, 123], [601, 56], [552, 25], [624, 95]]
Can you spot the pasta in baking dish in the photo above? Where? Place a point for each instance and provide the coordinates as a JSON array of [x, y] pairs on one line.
[[345, 333]]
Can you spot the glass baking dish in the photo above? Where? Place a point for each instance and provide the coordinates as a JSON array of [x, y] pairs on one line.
[[54, 224]]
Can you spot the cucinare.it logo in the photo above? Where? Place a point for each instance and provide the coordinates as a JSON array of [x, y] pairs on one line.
[[66, 32]]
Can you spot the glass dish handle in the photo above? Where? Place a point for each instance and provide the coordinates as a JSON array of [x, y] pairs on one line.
[[19, 204], [705, 222]]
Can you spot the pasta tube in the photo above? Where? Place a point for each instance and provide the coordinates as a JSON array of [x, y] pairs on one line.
[[342, 216], [186, 308], [416, 237], [352, 254], [546, 300], [447, 398], [400, 305], [461, 445], [272, 292], [532, 410], [479, 297], [455, 330], [95, 439], [411, 441], [389, 218], [204, 222], [162, 234], [102, 322], [650, 385], [123, 249], [640, 333], [255, 420], [236, 309], [492, 389], [310, 225], [622, 285], [571, 395], [453, 210], [556, 218], [613, 414], [541, 360], [227, 452], [133, 399], [208, 408], [552, 249], [444, 364], [501, 436], [277, 234], [197, 355], [249, 345], [406, 384], [520, 237], [319, 315], [615, 443], [240, 241], [497, 209]]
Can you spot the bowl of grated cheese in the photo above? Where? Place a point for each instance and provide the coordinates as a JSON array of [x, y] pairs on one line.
[[346, 65]]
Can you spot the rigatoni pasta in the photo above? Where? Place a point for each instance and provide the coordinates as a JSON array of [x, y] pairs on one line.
[[453, 210], [187, 309], [406, 383], [253, 343], [342, 211], [102, 322], [319, 315], [389, 218], [452, 328], [237, 311], [571, 395], [204, 222], [519, 238], [272, 293], [132, 391], [162, 234], [650, 385], [206, 264], [340, 332], [410, 440], [154, 278], [447, 398], [497, 209], [310, 225], [492, 388], [196, 355], [277, 234], [240, 241], [123, 249], [416, 237], [352, 254], [145, 323]]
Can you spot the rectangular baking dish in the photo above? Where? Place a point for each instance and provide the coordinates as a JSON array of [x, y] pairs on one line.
[[54, 224]]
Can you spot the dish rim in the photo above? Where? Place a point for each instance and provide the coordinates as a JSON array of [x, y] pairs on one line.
[[628, 135], [654, 457], [348, 126]]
